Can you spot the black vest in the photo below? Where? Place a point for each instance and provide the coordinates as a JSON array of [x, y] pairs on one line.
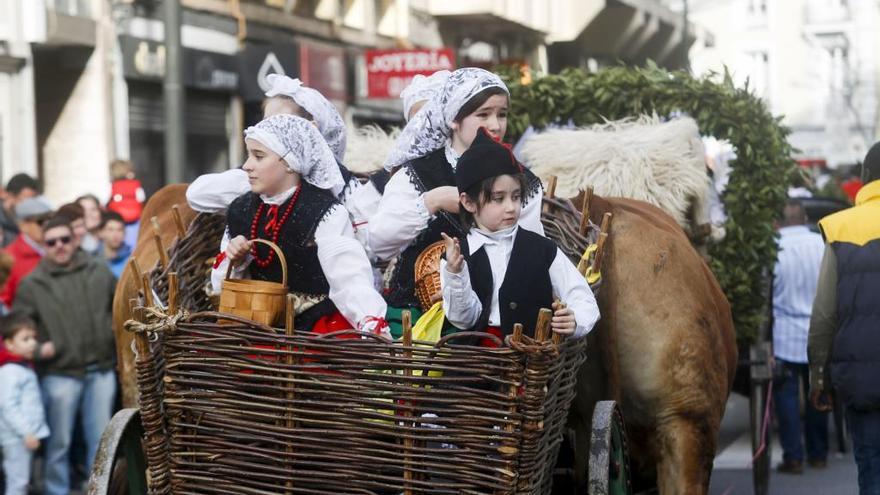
[[526, 287], [380, 179], [296, 240], [855, 358], [426, 173]]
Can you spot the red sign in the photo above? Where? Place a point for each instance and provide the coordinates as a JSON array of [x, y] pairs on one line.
[[389, 71]]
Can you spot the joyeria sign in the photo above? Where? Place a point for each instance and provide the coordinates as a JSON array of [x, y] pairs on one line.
[[389, 71]]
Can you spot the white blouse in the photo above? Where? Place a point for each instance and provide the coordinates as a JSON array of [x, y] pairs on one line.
[[345, 266], [463, 308], [402, 215], [213, 193]]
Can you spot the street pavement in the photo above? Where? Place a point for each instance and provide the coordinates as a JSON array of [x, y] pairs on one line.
[[732, 473]]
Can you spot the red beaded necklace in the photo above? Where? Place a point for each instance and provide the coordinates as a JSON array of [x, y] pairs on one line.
[[272, 228]]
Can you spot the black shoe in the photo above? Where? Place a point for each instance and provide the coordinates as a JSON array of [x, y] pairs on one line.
[[818, 463], [790, 467]]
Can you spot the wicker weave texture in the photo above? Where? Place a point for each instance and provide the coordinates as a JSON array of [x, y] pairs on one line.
[[251, 410]]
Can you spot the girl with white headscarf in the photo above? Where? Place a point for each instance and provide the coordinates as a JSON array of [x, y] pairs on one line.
[[213, 192], [294, 181], [421, 200], [365, 200]]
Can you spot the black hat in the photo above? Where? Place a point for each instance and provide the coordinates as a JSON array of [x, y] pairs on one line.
[[484, 159]]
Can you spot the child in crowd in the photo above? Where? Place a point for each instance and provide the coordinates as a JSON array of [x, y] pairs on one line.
[[479, 292], [22, 418], [126, 197], [113, 247]]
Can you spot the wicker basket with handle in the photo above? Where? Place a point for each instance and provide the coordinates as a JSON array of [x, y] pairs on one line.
[[427, 274], [258, 300]]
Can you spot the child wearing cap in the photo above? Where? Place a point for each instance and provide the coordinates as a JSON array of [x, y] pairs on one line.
[[479, 292]]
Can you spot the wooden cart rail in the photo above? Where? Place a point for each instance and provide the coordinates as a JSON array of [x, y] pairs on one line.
[[251, 409]]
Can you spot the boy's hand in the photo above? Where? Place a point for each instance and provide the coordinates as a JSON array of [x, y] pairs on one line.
[[563, 320], [237, 248], [454, 259], [31, 442]]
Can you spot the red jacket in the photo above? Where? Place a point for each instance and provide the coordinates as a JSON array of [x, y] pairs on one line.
[[127, 199], [26, 259]]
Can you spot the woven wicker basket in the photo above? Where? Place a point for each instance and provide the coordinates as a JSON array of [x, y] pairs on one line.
[[427, 274], [258, 300]]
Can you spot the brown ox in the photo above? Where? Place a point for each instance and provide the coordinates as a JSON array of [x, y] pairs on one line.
[[147, 255], [664, 349]]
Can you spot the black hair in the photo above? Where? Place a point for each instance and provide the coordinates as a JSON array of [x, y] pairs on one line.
[[794, 213], [57, 220], [480, 193], [15, 322], [477, 101], [110, 216], [20, 182]]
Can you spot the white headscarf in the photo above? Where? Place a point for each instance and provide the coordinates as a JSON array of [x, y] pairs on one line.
[[301, 146], [431, 127], [422, 88], [329, 121]]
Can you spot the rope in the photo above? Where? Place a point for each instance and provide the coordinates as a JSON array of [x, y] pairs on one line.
[[156, 321], [763, 445]]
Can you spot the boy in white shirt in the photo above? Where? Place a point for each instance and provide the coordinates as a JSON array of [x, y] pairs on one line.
[[479, 291]]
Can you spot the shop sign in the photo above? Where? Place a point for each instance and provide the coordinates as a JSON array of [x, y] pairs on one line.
[[323, 67], [259, 60], [389, 71], [145, 60]]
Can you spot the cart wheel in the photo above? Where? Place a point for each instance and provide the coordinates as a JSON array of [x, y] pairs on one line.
[[758, 404], [120, 455], [609, 461]]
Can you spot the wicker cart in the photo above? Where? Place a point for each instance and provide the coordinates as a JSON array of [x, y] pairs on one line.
[[229, 405]]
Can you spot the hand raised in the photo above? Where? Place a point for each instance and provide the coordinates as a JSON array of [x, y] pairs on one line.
[[454, 258]]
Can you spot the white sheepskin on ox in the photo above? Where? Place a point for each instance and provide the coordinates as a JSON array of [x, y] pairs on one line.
[[646, 159], [367, 147]]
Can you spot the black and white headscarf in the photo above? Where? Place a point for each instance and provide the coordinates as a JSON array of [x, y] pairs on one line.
[[302, 147], [431, 127]]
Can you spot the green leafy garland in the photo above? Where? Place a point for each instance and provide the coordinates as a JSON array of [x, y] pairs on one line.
[[758, 181]]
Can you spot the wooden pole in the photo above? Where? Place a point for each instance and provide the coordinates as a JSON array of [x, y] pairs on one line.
[[157, 236], [557, 337], [551, 186], [406, 320], [542, 328], [172, 293], [585, 210], [178, 221], [600, 245], [289, 330]]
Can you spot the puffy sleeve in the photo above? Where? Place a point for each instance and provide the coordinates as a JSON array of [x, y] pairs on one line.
[[362, 205], [347, 269], [460, 303], [401, 216], [530, 218], [212, 193], [574, 291], [218, 272]]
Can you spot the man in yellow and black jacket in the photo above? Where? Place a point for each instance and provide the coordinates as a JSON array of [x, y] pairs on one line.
[[845, 325]]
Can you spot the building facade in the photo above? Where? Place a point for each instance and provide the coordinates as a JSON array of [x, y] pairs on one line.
[[81, 81], [815, 62]]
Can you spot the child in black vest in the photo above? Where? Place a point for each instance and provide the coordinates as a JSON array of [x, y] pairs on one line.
[[501, 274]]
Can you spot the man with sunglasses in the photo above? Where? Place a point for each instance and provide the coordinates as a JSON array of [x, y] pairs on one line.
[[26, 250], [70, 295]]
